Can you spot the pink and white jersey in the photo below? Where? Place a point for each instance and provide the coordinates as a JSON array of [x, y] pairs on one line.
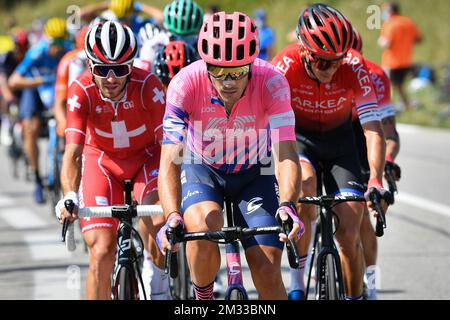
[[230, 143]]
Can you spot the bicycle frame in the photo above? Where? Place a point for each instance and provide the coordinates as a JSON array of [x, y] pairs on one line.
[[233, 258], [126, 254], [328, 247]]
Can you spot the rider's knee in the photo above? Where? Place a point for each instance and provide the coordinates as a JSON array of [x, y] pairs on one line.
[[102, 256]]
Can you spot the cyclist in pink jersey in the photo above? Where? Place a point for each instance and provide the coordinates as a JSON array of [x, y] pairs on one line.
[[325, 77], [230, 110], [114, 130], [382, 88]]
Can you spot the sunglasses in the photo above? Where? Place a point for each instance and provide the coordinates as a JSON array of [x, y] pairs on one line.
[[234, 73], [119, 70], [324, 64]]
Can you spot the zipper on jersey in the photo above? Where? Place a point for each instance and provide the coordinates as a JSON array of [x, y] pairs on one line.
[[115, 106]]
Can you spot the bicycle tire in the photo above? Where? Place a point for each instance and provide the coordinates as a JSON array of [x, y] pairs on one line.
[[330, 278], [56, 192], [181, 285], [328, 286], [126, 285], [236, 294]]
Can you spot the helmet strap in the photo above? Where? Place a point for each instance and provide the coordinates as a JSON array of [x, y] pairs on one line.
[[307, 64]]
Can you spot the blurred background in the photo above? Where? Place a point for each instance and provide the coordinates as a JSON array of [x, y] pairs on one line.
[[432, 102]]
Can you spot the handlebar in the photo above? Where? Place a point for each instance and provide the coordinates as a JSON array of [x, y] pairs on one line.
[[329, 201], [388, 170], [120, 212], [374, 196], [225, 235]]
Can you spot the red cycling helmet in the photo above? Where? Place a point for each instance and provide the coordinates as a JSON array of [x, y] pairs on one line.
[[228, 40], [357, 41], [324, 31], [170, 59], [21, 40]]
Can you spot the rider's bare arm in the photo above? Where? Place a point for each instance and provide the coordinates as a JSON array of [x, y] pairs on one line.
[[287, 170], [71, 167], [376, 148], [18, 82], [154, 12], [392, 137], [169, 186]]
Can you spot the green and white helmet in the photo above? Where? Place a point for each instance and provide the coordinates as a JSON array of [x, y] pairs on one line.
[[183, 17]]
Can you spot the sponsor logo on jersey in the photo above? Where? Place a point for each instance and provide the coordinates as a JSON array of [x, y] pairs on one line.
[[252, 205]]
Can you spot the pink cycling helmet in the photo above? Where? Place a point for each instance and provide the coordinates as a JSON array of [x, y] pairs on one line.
[[228, 40]]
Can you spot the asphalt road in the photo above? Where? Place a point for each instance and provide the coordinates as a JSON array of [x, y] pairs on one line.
[[414, 253]]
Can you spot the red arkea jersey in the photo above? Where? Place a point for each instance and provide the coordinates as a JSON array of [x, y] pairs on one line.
[[119, 127], [321, 107]]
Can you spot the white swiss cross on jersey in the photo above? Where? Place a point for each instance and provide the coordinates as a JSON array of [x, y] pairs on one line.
[[73, 103], [120, 135]]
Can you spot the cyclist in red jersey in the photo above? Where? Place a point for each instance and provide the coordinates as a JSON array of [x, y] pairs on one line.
[[325, 77], [114, 122], [382, 87]]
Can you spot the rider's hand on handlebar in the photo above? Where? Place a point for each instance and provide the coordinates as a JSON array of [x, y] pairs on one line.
[[286, 211], [395, 169], [174, 220], [61, 211], [375, 185]]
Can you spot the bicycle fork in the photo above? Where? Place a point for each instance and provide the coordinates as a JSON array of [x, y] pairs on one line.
[[234, 270], [329, 248]]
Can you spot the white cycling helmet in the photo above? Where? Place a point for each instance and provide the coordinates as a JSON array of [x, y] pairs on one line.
[[111, 43]]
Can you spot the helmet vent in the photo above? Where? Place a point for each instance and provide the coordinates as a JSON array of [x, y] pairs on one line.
[[216, 52], [228, 49], [252, 47], [241, 33], [240, 52], [229, 25]]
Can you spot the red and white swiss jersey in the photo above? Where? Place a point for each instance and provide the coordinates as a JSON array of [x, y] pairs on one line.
[[119, 127]]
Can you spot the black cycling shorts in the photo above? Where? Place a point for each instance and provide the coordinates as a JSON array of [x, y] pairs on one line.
[[360, 140], [336, 155]]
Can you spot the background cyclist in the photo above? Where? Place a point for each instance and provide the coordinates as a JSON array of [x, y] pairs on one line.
[[382, 87], [36, 76]]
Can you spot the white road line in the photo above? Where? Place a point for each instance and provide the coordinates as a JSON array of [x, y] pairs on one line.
[[424, 204], [408, 128], [22, 218], [6, 201], [61, 284]]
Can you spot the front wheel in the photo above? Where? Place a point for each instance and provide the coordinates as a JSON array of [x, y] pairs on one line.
[[329, 284], [126, 286], [181, 285], [236, 293]]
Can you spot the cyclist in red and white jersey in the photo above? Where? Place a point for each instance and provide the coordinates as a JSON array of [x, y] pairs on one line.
[[114, 129], [230, 110], [382, 88], [325, 77]]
